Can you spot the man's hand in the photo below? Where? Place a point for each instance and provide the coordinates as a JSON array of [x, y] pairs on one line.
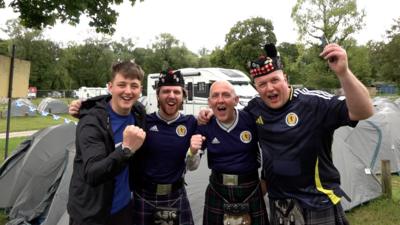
[[204, 116], [337, 59], [195, 143], [74, 107], [133, 137]]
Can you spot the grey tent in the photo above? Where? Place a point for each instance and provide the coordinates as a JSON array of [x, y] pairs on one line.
[[397, 102], [54, 106], [22, 107], [357, 152], [33, 180], [360, 185]]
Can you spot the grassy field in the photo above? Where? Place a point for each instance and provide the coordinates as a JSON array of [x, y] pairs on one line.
[[12, 144], [381, 211], [32, 122]]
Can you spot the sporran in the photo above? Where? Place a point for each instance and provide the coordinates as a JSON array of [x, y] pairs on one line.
[[166, 216], [286, 211], [237, 214]]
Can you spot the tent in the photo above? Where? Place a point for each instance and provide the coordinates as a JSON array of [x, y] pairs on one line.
[[54, 106], [356, 180], [22, 107], [34, 180], [397, 102]]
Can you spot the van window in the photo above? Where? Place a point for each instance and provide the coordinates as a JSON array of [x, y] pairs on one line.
[[201, 90]]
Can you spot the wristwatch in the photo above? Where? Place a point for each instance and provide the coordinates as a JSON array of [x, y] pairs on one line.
[[127, 151]]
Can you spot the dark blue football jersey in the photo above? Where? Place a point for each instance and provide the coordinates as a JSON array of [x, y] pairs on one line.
[[162, 157], [233, 150], [296, 145]]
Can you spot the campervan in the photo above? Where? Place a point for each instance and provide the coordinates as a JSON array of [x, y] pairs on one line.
[[89, 92], [198, 82]]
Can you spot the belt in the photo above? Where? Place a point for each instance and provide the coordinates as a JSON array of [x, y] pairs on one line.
[[160, 189], [234, 179]]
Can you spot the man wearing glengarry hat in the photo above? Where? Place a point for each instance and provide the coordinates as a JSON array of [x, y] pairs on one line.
[[158, 171], [295, 131], [295, 128]]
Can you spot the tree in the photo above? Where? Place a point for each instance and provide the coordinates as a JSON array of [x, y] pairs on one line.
[[169, 52], [245, 40], [46, 72], [41, 13], [395, 29], [123, 50], [390, 67], [359, 63], [89, 64], [315, 71], [218, 58], [334, 19], [290, 55]]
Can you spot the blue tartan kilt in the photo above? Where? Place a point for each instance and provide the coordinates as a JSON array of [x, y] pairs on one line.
[[145, 204], [213, 208]]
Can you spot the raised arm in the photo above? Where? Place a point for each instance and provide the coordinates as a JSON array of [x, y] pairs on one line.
[[357, 97]]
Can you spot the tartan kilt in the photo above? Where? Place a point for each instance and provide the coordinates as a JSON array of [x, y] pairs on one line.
[[331, 216], [213, 207], [145, 203]]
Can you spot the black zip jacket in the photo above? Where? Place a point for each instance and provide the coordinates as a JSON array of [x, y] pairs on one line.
[[96, 162]]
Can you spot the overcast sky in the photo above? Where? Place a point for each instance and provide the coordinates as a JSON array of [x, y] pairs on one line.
[[204, 23]]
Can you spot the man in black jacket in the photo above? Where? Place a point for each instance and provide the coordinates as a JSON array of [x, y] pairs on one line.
[[108, 134]]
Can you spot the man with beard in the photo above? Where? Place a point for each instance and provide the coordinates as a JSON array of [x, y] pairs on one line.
[[159, 166], [234, 194], [295, 131], [107, 136]]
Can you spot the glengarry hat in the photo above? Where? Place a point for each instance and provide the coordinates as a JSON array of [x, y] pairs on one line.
[[267, 64], [170, 78]]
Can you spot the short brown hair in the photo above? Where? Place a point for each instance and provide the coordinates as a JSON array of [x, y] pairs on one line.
[[127, 69]]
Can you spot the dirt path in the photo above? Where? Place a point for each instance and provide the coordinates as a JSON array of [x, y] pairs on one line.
[[18, 134]]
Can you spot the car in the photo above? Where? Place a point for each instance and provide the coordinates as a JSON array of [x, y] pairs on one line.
[[55, 94]]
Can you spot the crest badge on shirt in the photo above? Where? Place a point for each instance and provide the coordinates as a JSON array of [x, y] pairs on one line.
[[292, 119], [245, 136], [181, 130]]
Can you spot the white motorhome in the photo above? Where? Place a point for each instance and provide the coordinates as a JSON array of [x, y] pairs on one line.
[[198, 82], [84, 93]]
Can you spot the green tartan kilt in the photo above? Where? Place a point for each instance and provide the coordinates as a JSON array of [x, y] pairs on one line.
[[213, 208]]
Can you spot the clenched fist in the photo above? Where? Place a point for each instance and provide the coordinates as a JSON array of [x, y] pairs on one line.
[[74, 107], [195, 143], [133, 137]]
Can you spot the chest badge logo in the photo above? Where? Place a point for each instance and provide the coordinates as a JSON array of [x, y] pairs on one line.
[[181, 130], [245, 136], [260, 121], [292, 119]]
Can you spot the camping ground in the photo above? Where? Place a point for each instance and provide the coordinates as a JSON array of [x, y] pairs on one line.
[[380, 211]]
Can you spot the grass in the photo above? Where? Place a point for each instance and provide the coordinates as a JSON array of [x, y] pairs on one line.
[[12, 144], [32, 122], [381, 211]]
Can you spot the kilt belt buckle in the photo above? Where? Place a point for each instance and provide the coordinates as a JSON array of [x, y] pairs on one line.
[[230, 179], [164, 189]]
